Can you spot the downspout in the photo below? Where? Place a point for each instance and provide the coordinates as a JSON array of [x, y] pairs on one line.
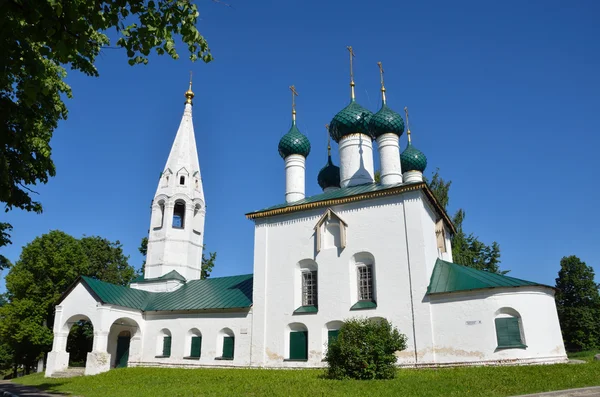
[[412, 305]]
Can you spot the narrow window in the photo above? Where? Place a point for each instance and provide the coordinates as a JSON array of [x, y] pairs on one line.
[[332, 335], [508, 332], [182, 180], [440, 234], [196, 346], [365, 282], [299, 345], [228, 347], [179, 215], [309, 288], [166, 352]]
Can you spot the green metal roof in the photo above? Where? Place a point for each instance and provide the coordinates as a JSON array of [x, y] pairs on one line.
[[294, 142], [386, 121], [172, 275], [350, 120], [412, 159], [232, 292], [450, 277]]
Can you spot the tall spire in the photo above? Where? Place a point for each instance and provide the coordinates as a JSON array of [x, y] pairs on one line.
[[382, 85], [407, 125], [352, 96], [189, 94], [294, 95]]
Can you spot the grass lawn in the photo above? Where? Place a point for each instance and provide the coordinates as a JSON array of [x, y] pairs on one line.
[[471, 381]]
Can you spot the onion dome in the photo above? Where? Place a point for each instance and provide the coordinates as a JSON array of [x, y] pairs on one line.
[[352, 119], [294, 142], [329, 176], [386, 121], [412, 159]]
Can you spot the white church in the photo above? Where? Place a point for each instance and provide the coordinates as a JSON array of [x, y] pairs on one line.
[[376, 250]]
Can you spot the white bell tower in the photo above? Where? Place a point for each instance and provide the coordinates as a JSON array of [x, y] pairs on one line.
[[178, 209]]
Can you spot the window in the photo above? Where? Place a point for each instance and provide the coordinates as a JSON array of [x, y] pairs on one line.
[[196, 346], [299, 345], [179, 215], [440, 233], [166, 351], [332, 335], [309, 288], [508, 332], [182, 180], [228, 347], [365, 282]]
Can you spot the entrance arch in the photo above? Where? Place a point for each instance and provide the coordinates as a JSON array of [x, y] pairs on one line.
[[124, 342]]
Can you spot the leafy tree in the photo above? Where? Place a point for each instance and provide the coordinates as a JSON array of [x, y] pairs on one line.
[[37, 39], [46, 268], [578, 304], [364, 349], [467, 249], [208, 262]]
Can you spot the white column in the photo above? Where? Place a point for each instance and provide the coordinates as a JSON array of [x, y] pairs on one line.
[[389, 158], [413, 177], [356, 160], [98, 360], [295, 166]]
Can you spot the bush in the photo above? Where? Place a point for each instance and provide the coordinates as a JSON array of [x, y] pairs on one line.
[[364, 349]]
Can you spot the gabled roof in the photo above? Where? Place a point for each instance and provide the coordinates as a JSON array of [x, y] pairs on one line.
[[351, 194], [234, 292], [451, 277], [172, 275], [327, 216]]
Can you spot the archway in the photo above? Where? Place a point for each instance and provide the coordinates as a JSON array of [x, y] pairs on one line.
[[124, 342], [80, 339]]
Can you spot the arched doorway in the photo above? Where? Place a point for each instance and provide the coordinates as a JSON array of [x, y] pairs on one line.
[[80, 340], [123, 343]]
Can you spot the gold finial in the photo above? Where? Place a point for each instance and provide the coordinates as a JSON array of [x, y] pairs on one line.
[[328, 142], [189, 94], [382, 85], [294, 95], [407, 125], [349, 48]]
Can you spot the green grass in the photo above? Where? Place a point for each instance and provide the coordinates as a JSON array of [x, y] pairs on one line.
[[471, 381], [585, 355]]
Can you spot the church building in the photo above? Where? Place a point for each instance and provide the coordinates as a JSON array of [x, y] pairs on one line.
[[376, 249]]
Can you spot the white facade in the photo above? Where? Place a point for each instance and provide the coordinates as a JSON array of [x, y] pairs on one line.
[[369, 254], [295, 170], [389, 159]]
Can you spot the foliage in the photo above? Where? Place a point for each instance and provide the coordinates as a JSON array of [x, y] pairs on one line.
[[46, 268], [37, 39], [5, 228], [208, 262], [578, 304], [79, 343], [484, 381], [467, 249], [364, 349]]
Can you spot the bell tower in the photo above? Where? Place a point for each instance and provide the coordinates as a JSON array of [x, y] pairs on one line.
[[178, 209]]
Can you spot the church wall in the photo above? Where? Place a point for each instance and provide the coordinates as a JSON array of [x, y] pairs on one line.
[[210, 325], [287, 240], [465, 329]]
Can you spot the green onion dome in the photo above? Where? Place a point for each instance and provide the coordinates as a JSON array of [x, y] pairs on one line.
[[294, 142], [412, 159], [386, 121], [329, 176], [350, 120]]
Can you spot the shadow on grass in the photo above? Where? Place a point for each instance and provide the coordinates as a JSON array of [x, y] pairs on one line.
[[31, 391]]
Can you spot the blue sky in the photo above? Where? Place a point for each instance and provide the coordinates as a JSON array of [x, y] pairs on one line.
[[503, 97]]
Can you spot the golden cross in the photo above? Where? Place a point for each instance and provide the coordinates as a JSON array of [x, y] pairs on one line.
[[380, 72], [328, 141], [190, 79], [349, 48], [294, 95], [407, 125]]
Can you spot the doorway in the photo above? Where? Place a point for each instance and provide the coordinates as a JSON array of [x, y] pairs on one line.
[[123, 341]]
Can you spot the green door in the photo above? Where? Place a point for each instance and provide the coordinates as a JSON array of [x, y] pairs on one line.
[[122, 351], [299, 345], [228, 347]]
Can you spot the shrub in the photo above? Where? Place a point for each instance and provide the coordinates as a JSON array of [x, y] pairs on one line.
[[364, 349]]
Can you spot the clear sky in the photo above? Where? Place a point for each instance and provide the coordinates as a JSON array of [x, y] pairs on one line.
[[503, 98]]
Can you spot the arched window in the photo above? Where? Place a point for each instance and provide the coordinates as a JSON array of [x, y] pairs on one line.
[[179, 215], [298, 342], [363, 266], [509, 329], [195, 344], [306, 286], [182, 180], [163, 345], [226, 340]]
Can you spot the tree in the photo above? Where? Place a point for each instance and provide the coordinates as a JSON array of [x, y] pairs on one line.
[[467, 250], [364, 349], [578, 304], [46, 268], [37, 40], [206, 266]]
